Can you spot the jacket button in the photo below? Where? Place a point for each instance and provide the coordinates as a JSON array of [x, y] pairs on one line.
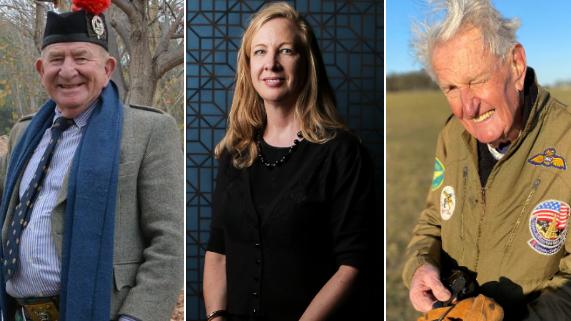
[[254, 293], [257, 244], [258, 261], [254, 310], [256, 278]]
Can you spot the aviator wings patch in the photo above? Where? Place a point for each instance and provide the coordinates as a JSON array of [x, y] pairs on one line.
[[548, 158]]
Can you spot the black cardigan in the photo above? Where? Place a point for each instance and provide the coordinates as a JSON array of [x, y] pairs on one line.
[[320, 219]]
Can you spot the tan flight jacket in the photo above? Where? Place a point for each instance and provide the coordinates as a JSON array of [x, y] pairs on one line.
[[490, 228]]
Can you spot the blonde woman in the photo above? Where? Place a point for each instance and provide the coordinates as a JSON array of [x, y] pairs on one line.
[[289, 235]]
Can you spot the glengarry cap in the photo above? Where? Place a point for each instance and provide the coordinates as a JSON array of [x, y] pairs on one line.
[[85, 23]]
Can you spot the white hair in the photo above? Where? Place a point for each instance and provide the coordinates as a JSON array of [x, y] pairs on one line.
[[498, 32]]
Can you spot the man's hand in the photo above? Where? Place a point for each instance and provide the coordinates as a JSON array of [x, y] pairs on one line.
[[426, 288]]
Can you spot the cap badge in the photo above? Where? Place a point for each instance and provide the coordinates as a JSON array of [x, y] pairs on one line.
[[98, 26]]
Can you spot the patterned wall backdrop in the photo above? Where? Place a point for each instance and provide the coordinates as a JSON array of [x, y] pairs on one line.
[[350, 35]]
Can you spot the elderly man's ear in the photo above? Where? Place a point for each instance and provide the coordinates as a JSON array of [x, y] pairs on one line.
[[519, 66], [39, 65], [110, 65]]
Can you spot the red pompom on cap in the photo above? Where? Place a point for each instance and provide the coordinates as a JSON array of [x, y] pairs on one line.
[[95, 7]]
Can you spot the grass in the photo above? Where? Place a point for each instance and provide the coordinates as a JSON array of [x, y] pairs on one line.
[[414, 119], [562, 94]]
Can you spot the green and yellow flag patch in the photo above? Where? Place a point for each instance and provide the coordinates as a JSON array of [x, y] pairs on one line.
[[438, 176]]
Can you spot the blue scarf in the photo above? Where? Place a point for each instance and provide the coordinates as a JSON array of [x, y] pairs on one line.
[[87, 254]]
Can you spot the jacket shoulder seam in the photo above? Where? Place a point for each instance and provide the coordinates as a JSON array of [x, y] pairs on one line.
[[146, 108]]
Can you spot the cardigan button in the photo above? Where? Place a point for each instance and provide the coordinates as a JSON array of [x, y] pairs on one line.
[[254, 310], [258, 261]]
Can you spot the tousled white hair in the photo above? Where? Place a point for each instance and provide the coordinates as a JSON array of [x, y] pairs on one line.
[[498, 32]]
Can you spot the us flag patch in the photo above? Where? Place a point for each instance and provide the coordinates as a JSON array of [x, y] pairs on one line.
[[548, 226]]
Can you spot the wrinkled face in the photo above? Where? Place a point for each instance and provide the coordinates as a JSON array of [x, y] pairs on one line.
[[275, 63], [482, 89], [74, 73]]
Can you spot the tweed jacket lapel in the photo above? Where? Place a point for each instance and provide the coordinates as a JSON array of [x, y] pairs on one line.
[[57, 216], [62, 195]]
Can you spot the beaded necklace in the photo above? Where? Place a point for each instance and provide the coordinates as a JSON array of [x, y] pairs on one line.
[[284, 158]]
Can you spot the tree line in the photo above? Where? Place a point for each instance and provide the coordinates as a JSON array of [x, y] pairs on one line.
[[414, 80]]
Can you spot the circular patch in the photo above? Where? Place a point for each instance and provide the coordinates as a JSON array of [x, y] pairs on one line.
[[438, 176], [447, 202], [548, 226]]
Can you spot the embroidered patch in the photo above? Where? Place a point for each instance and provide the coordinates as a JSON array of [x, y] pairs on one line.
[[438, 176], [548, 226], [447, 202], [548, 158]]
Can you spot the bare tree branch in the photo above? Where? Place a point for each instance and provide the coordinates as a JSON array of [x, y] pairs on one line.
[[120, 25], [171, 10], [141, 6], [128, 7], [169, 60], [16, 12], [167, 36]]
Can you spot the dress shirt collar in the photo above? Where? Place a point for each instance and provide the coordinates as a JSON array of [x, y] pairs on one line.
[[81, 119]]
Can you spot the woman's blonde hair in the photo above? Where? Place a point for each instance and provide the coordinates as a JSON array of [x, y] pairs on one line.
[[315, 107]]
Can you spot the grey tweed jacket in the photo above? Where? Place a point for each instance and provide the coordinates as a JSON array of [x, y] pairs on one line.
[[148, 242]]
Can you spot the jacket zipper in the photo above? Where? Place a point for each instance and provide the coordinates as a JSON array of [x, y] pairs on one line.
[[480, 229], [464, 196], [512, 233]]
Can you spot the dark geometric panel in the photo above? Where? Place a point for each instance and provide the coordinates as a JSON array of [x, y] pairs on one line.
[[350, 35]]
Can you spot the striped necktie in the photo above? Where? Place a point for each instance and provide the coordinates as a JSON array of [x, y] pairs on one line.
[[21, 214]]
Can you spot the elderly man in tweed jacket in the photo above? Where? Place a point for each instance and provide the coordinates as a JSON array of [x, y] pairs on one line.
[[92, 192]]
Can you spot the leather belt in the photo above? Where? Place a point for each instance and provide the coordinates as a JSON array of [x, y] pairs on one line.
[[40, 309]]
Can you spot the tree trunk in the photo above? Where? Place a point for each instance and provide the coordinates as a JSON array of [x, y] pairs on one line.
[[143, 81], [39, 25], [117, 77]]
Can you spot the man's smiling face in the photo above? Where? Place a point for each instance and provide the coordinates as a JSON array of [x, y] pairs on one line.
[[481, 88], [74, 73]]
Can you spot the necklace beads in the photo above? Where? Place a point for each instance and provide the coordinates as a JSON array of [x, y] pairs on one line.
[[282, 160]]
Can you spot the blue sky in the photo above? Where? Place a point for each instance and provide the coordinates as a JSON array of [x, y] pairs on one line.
[[545, 33]]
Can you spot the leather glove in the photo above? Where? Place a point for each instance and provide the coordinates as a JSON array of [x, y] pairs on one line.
[[480, 308]]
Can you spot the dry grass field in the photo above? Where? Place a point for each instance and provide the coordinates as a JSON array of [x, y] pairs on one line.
[[414, 119]]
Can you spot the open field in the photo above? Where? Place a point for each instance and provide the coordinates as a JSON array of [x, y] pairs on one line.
[[414, 119]]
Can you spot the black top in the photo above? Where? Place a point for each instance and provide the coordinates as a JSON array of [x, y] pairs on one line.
[[267, 183], [285, 231]]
